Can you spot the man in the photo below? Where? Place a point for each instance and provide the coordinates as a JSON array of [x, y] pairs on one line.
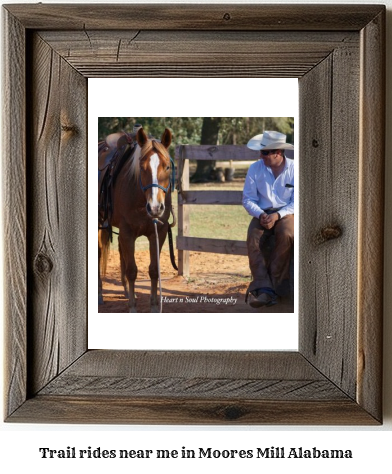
[[268, 196]]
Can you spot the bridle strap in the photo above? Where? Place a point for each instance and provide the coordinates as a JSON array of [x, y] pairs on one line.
[[155, 185]]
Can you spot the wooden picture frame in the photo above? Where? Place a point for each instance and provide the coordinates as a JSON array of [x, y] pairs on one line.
[[338, 54]]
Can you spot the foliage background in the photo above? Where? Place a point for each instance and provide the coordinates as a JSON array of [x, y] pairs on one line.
[[187, 130]]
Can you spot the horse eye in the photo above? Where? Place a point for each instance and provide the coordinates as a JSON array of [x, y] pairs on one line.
[[167, 168]]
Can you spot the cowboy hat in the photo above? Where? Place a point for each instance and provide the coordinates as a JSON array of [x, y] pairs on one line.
[[269, 141]]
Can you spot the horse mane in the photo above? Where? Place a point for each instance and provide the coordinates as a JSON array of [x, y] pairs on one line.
[[133, 171]]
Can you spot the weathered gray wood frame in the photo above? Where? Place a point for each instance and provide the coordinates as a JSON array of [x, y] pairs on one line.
[[337, 52]]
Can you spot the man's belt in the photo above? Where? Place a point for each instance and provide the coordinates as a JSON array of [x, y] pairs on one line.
[[271, 210]]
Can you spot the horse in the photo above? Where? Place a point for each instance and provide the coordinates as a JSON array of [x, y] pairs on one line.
[[141, 199]]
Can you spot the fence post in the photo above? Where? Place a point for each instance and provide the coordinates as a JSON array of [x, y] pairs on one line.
[[183, 212]]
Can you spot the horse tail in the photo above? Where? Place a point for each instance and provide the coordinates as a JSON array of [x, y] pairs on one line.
[[104, 243]]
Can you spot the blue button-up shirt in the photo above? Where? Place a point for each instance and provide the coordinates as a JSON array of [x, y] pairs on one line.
[[262, 191]]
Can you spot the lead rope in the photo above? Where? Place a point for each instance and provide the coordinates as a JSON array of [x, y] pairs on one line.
[[155, 221]]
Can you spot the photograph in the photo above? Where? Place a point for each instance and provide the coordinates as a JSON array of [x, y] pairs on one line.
[[196, 214]]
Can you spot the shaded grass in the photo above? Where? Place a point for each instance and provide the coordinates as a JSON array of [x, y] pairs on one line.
[[219, 222]]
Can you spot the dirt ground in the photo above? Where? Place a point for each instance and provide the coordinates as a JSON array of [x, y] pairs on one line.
[[217, 283]]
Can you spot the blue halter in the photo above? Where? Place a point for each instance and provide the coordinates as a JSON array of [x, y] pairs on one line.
[[155, 185]]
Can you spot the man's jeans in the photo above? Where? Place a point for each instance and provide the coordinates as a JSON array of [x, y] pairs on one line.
[[273, 274]]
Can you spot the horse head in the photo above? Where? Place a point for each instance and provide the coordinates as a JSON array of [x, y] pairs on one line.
[[154, 170]]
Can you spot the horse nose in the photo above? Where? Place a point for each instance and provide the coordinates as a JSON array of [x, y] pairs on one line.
[[155, 210]]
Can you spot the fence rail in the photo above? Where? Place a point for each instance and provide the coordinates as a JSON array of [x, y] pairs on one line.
[[210, 197], [185, 242], [218, 152]]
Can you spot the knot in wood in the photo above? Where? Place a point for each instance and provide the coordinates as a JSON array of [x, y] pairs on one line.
[[43, 264], [315, 143], [212, 149], [69, 129], [232, 413], [328, 233], [227, 16]]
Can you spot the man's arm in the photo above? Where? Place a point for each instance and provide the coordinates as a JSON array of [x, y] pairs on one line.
[[269, 220], [288, 209], [249, 196]]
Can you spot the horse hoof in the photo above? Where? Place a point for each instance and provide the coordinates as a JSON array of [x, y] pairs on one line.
[[154, 309], [100, 300], [133, 310]]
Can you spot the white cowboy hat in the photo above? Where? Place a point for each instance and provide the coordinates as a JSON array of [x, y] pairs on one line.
[[269, 141]]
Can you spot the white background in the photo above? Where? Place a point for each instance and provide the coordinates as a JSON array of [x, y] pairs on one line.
[[19, 444], [204, 98]]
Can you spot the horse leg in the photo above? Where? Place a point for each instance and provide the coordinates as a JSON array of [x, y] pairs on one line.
[[153, 268], [123, 272], [100, 296], [128, 267], [103, 248]]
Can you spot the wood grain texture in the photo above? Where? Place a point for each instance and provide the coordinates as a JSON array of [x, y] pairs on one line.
[[14, 212], [211, 197], [188, 387], [183, 70], [218, 152], [122, 45], [371, 216], [57, 215], [192, 17], [207, 364], [329, 199], [183, 211], [121, 53], [92, 410], [192, 387], [187, 374], [199, 244]]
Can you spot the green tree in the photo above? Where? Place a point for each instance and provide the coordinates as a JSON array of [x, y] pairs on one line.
[[201, 130], [209, 136]]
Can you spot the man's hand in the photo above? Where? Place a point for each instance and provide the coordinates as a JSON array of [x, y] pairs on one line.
[[268, 220]]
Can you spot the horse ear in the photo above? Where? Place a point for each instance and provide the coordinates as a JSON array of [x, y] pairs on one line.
[[166, 138], [141, 137]]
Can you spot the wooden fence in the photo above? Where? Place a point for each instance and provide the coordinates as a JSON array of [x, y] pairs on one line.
[[186, 198]]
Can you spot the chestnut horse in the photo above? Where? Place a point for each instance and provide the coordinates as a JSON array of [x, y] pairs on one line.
[[141, 194]]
